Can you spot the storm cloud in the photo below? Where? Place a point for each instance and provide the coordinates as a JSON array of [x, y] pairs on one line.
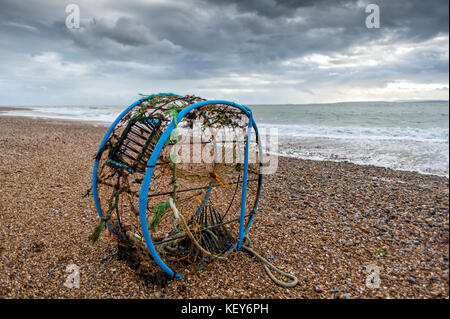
[[265, 51]]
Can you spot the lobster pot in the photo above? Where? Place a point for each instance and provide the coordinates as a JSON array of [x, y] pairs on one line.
[[167, 152]]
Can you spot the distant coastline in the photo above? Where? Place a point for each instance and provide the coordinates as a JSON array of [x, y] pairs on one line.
[[6, 106]]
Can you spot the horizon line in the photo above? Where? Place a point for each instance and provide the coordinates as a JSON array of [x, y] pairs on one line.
[[255, 104]]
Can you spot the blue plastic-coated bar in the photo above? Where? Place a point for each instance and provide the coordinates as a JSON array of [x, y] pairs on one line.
[[204, 201], [103, 142], [98, 206], [143, 195], [244, 183], [258, 195]]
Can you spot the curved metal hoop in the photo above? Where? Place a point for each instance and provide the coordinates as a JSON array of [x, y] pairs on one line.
[[98, 205]]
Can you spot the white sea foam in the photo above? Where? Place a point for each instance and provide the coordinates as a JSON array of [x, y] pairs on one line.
[[434, 134], [104, 114], [424, 157], [402, 136]]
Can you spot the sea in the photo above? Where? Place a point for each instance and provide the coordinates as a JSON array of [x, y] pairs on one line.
[[411, 136]]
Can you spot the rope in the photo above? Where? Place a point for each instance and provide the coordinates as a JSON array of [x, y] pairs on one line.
[[246, 245], [171, 246], [178, 215]]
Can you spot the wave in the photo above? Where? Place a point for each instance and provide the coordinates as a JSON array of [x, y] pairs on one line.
[[104, 114], [432, 134], [427, 154]]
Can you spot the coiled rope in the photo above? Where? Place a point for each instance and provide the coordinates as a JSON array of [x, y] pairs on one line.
[[267, 266], [245, 245], [178, 215]]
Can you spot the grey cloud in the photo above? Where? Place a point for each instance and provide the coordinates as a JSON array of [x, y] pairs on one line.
[[124, 31], [273, 8], [199, 40]]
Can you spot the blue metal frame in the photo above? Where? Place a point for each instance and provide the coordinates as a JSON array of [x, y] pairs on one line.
[[244, 184], [98, 206], [143, 195]]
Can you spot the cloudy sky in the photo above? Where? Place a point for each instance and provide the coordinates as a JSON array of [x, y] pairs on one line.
[[262, 51]]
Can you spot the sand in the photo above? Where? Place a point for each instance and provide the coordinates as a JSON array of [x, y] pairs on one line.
[[326, 222]]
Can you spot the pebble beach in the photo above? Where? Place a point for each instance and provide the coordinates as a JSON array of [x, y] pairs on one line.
[[328, 223]]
